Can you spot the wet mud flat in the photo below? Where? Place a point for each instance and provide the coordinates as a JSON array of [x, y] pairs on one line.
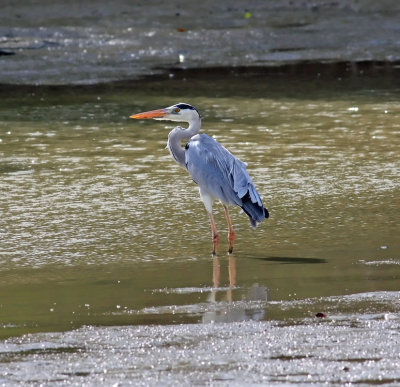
[[360, 350], [48, 42]]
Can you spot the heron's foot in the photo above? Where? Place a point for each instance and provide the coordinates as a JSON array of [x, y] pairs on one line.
[[231, 240], [215, 244]]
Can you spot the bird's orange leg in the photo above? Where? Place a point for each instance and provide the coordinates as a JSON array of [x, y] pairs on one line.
[[231, 233], [214, 232]]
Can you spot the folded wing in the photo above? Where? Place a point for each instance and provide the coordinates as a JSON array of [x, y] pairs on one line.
[[223, 176]]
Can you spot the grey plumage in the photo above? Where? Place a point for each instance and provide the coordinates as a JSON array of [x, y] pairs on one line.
[[219, 174], [223, 176]]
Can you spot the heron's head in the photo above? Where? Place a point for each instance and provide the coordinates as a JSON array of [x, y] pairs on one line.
[[180, 112]]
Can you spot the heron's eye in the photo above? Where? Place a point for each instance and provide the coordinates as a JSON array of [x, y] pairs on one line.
[[177, 110]]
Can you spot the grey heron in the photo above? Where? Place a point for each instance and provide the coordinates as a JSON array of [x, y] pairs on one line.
[[218, 173]]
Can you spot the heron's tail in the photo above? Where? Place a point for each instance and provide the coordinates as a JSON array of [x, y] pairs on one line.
[[256, 212]]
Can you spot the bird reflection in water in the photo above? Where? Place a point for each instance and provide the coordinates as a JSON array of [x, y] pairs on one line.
[[217, 276], [250, 307]]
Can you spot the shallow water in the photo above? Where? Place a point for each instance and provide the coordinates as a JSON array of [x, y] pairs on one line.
[[99, 227]]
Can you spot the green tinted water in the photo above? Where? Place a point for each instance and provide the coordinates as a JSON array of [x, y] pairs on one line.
[[100, 226]]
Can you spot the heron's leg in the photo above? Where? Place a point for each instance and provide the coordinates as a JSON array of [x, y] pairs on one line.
[[214, 232], [231, 233]]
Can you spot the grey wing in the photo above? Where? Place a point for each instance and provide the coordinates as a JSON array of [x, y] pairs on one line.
[[222, 175]]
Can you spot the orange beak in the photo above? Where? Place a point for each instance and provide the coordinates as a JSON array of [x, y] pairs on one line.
[[151, 114]]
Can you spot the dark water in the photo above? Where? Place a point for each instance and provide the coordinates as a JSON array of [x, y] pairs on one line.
[[99, 227]]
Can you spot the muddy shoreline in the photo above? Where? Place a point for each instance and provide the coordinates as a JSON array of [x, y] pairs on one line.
[[52, 43]]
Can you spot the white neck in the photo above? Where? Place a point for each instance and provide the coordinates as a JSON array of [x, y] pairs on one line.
[[177, 135]]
